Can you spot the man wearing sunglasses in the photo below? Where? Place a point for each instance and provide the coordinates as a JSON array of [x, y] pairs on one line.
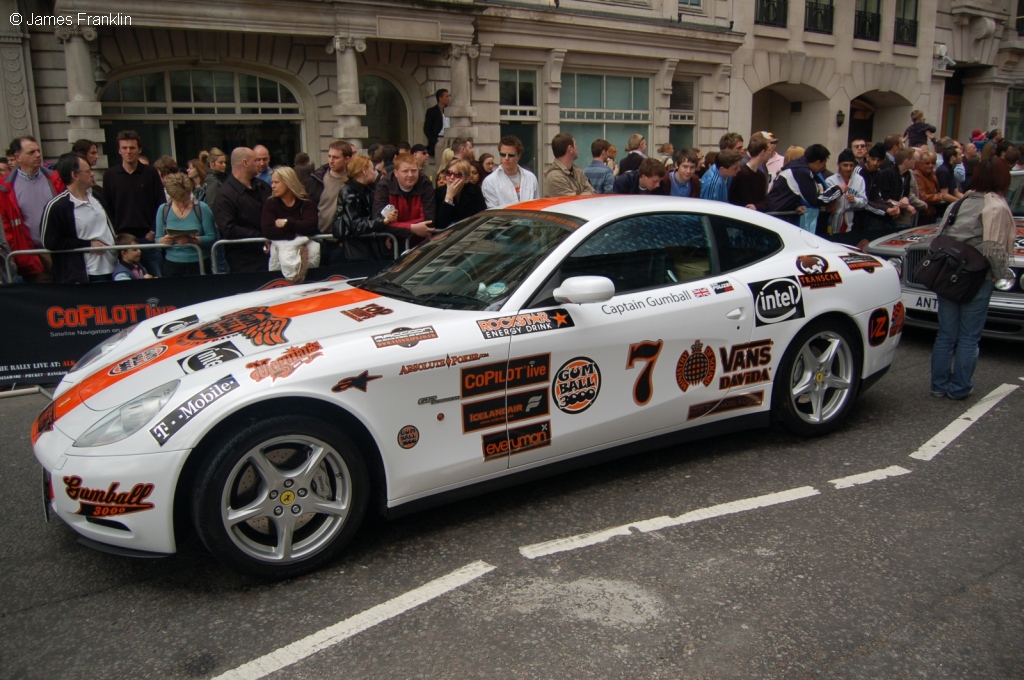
[[510, 183], [562, 177]]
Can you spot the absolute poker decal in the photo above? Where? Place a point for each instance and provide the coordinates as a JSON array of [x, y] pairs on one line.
[[522, 324], [814, 272], [576, 385]]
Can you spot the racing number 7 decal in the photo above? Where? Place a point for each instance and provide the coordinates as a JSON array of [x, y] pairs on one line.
[[646, 351]]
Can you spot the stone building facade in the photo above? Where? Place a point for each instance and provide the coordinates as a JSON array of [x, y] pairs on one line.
[[295, 74]]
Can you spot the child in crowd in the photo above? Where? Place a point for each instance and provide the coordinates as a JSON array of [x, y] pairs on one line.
[[128, 266]]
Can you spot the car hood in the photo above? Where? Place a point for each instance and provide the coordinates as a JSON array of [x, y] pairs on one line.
[[893, 245], [238, 331]]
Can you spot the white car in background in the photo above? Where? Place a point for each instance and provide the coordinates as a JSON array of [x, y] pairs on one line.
[[271, 422]]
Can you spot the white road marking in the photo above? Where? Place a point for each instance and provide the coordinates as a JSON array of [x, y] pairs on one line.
[[866, 477], [584, 540], [297, 651], [934, 446]]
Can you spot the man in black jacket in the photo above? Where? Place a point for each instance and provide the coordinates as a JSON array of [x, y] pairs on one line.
[[798, 180], [134, 192], [238, 212], [75, 219], [877, 217], [436, 122]]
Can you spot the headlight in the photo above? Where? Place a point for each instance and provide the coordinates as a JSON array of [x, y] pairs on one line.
[[1007, 281], [102, 348], [129, 419]]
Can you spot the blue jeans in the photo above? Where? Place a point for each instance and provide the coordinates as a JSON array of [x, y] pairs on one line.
[[152, 260], [955, 354]]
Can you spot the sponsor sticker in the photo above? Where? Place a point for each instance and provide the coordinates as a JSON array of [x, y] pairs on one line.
[[183, 413], [522, 324], [258, 325], [365, 312], [109, 502], [447, 362], [172, 327], [358, 382], [408, 437], [731, 403], [136, 360], [517, 440], [860, 261], [722, 287], [777, 300], [214, 355], [286, 364], [697, 368], [814, 272], [404, 337], [495, 411], [745, 364], [878, 327], [576, 385], [518, 372], [899, 313], [433, 399]]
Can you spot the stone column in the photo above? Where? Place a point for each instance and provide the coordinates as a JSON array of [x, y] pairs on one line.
[[16, 99], [461, 110], [984, 101], [82, 109], [348, 110]]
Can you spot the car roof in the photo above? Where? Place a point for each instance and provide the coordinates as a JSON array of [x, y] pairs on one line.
[[592, 207]]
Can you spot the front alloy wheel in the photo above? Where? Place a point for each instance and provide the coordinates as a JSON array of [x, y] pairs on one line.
[[281, 498]]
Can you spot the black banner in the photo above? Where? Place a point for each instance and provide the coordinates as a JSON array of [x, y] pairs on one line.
[[50, 326]]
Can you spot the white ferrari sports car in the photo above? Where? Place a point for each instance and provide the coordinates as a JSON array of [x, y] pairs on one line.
[[530, 336]]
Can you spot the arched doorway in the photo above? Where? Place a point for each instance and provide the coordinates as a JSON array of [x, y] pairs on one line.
[[876, 114], [177, 112], [796, 114], [387, 113]]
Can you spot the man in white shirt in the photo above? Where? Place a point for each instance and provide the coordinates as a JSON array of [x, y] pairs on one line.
[[75, 219], [510, 183]]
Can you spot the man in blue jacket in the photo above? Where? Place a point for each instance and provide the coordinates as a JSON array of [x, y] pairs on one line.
[[798, 180]]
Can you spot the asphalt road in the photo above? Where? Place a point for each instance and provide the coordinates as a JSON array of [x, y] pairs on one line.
[[918, 574]]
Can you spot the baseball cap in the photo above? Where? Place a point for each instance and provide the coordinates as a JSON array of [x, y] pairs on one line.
[[977, 135]]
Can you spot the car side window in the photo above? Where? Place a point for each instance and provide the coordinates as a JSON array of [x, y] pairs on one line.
[[639, 253], [738, 244]]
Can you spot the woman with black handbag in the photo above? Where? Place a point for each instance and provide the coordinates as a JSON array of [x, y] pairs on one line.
[[355, 223], [984, 221]]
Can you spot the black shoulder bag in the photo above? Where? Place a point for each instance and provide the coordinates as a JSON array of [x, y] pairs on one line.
[[952, 269]]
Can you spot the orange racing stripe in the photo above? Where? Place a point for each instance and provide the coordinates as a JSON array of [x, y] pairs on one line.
[[542, 203], [101, 380]]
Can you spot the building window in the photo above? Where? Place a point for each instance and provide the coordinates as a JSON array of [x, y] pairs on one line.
[[1020, 17], [518, 110], [867, 20], [682, 114], [1015, 115], [771, 13], [605, 107], [906, 23], [818, 16], [178, 113], [690, 3]]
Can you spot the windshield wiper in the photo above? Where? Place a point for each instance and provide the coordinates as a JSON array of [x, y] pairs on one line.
[[454, 297], [395, 289]]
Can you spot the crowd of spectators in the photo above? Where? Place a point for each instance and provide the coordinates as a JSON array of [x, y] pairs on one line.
[[366, 200]]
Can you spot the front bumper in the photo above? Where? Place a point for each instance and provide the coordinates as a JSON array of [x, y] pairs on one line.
[[125, 501], [1005, 313]]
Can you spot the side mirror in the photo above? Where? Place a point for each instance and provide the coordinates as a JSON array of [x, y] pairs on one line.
[[582, 289]]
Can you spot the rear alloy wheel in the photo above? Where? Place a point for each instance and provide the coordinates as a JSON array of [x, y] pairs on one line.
[[817, 381], [281, 498]]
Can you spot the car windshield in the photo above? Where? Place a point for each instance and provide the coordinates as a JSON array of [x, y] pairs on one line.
[[478, 263], [1016, 194]]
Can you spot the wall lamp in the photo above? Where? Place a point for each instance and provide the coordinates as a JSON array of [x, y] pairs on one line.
[[840, 118]]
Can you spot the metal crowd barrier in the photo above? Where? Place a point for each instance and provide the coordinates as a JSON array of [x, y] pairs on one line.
[[12, 272], [92, 249]]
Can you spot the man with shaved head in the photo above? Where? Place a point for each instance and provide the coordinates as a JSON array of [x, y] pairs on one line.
[[238, 211], [261, 158]]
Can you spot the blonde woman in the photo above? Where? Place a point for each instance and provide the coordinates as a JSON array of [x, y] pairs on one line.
[[182, 222], [612, 153], [355, 217], [792, 153], [289, 219]]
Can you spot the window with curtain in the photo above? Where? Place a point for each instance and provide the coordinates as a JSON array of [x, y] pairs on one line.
[[605, 107]]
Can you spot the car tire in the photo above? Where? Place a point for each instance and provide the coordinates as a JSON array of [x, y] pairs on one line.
[[280, 498], [817, 380]]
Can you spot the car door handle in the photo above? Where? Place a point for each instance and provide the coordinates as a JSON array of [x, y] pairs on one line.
[[735, 314]]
